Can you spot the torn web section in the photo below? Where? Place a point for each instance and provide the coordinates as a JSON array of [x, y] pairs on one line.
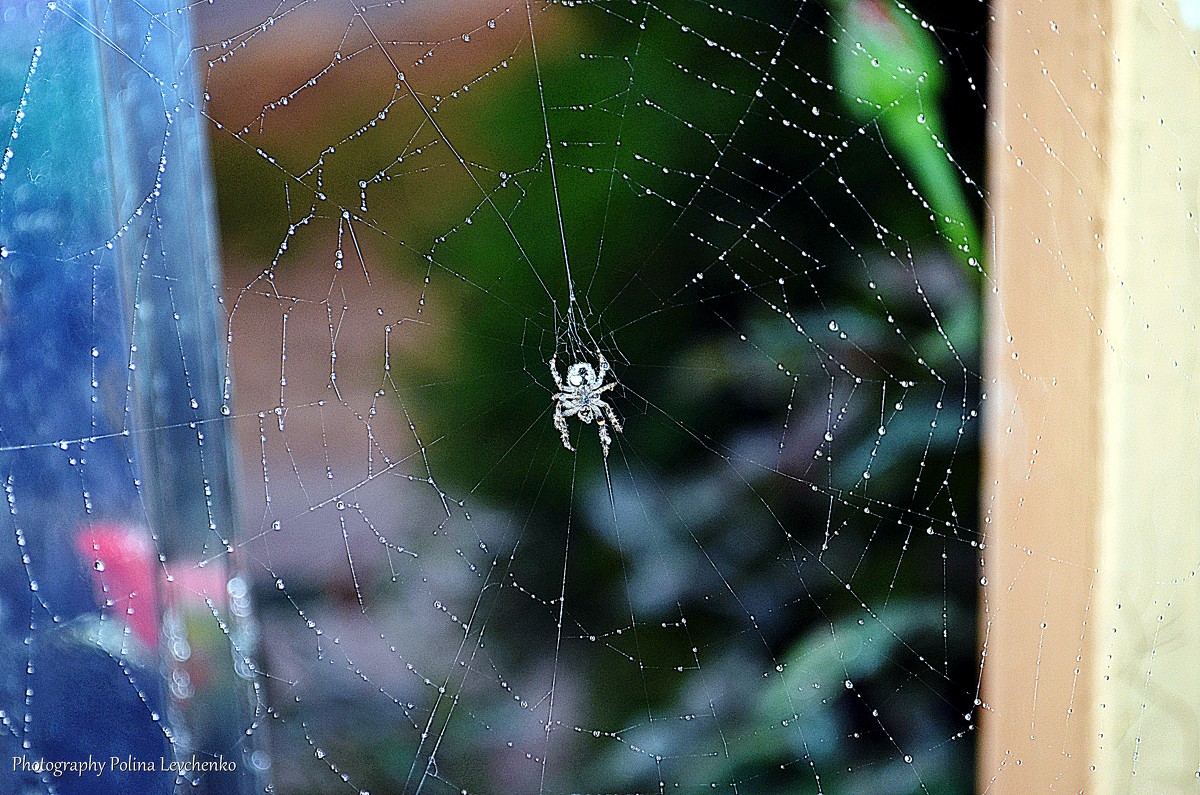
[[103, 322]]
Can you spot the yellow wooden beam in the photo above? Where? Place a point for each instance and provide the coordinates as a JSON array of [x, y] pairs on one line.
[[1091, 675]]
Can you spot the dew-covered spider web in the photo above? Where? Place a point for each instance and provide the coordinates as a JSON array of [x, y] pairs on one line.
[[768, 583], [760, 227]]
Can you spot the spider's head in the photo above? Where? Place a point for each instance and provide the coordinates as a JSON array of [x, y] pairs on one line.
[[580, 374]]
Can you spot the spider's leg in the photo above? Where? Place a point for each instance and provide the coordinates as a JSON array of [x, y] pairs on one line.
[[605, 439], [560, 422], [612, 416], [604, 388], [603, 365], [554, 372]]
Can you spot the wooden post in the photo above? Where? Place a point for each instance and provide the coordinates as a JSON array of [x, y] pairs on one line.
[[1091, 493]]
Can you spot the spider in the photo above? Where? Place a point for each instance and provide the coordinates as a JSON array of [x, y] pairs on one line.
[[580, 397]]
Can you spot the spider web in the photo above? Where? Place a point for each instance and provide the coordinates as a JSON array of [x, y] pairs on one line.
[[764, 216], [719, 603]]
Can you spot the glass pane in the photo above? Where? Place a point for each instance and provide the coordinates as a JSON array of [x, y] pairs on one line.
[[126, 636]]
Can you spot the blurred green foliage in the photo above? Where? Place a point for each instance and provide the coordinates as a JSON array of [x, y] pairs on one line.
[[893, 74]]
